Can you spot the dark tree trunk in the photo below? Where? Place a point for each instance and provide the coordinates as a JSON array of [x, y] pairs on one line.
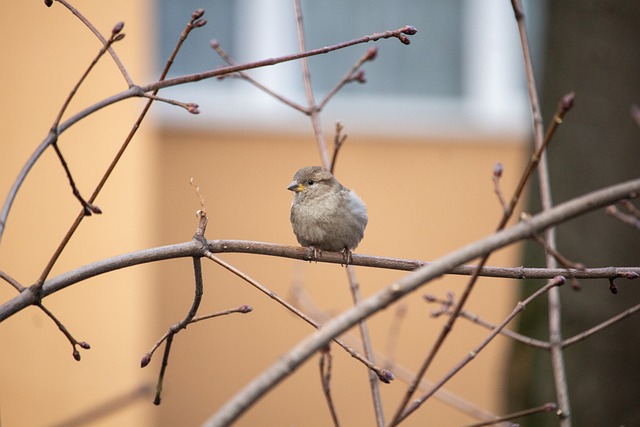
[[592, 48]]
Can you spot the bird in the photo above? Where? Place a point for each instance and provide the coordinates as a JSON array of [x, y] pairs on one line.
[[325, 215]]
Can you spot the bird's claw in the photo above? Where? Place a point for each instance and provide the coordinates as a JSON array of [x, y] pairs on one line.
[[347, 257], [315, 254]]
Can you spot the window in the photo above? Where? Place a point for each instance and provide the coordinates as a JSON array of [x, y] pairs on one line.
[[462, 70]]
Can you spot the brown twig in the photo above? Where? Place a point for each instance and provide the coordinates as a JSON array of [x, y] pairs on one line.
[[415, 404], [302, 351], [195, 22], [632, 218], [562, 260], [312, 107], [402, 373], [325, 377], [116, 35], [383, 374], [74, 342], [13, 282], [352, 75], [134, 90], [338, 140], [354, 285], [547, 407], [215, 45], [87, 207], [555, 327], [601, 326], [175, 328], [100, 37], [445, 309], [497, 174], [191, 107], [564, 106]]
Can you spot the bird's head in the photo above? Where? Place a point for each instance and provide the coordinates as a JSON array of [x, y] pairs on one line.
[[311, 181]]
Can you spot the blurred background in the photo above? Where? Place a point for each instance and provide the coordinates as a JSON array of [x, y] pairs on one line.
[[424, 134]]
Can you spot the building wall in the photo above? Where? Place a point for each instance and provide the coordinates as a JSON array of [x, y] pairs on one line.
[[426, 196]]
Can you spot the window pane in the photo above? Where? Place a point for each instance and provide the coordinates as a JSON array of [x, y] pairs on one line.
[[196, 54], [430, 65]]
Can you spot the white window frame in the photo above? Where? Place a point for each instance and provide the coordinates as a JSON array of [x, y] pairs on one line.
[[494, 102]]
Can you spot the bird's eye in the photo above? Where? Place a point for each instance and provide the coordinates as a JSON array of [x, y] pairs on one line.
[[310, 182]]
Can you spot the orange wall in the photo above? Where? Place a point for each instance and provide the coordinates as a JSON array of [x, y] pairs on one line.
[[424, 198]]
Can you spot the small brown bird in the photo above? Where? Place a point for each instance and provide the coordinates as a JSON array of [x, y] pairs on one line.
[[325, 215]]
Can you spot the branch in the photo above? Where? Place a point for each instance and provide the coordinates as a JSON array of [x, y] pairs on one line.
[[523, 230], [312, 107], [139, 91], [288, 363], [521, 305], [100, 37], [555, 333]]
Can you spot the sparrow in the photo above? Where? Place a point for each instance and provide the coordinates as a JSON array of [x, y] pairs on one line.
[[325, 215]]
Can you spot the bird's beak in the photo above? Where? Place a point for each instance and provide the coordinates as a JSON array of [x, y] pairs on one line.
[[295, 186]]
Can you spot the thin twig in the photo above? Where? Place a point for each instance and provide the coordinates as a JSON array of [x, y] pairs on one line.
[[195, 22], [325, 376], [138, 91], [547, 407], [415, 404], [72, 340], [13, 282], [116, 35], [338, 140], [402, 373], [191, 107], [601, 326], [629, 219], [146, 359], [100, 37], [216, 46], [383, 374], [351, 76], [298, 354], [555, 327], [354, 285], [543, 345], [562, 260], [474, 318], [507, 214], [87, 207], [497, 174], [74, 343], [312, 107], [175, 328], [630, 207], [243, 309]]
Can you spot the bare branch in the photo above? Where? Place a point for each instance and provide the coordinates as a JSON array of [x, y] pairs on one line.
[[139, 91], [366, 345], [325, 377], [415, 404], [257, 388], [100, 37], [547, 407]]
